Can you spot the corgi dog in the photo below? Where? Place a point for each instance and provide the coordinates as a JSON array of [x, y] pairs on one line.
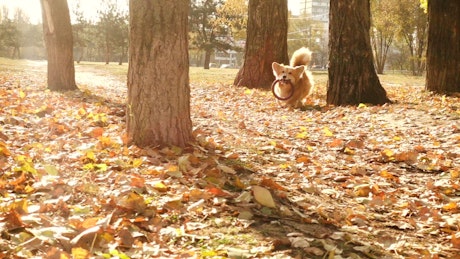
[[294, 82]]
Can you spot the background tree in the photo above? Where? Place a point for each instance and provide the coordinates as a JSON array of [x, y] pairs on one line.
[[413, 25], [158, 111], [12, 32], [443, 53], [233, 14], [305, 32], [10, 37], [79, 28], [352, 77], [207, 32], [383, 30], [266, 42], [57, 32], [113, 30]]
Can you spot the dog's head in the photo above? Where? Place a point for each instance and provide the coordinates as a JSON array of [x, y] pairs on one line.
[[287, 73]]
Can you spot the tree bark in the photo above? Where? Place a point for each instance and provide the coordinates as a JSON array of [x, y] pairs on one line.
[[158, 109], [266, 42], [443, 52], [207, 58], [352, 77], [58, 37]]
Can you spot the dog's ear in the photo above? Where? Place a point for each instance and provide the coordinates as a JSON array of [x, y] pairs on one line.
[[297, 72], [276, 69]]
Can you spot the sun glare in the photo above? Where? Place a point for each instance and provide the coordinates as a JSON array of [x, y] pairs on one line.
[[32, 8]]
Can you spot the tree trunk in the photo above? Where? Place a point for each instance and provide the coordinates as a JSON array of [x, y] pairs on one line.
[[158, 110], [107, 49], [381, 44], [59, 45], [443, 53], [122, 55], [352, 77], [266, 42], [207, 58]]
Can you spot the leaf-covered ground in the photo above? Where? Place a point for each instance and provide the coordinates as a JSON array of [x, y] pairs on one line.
[[260, 182]]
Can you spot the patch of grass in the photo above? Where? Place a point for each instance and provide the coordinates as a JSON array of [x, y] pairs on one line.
[[213, 75], [198, 75]]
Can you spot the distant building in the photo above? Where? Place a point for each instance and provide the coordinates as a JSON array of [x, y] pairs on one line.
[[316, 10]]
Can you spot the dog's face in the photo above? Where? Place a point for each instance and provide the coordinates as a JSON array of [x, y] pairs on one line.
[[287, 73]]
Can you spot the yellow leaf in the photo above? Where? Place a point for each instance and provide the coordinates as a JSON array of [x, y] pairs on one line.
[[362, 105], [388, 153], [284, 166], [91, 156], [302, 135], [137, 162], [22, 95], [82, 111], [328, 132], [79, 253], [160, 186], [101, 167], [248, 91], [105, 141]]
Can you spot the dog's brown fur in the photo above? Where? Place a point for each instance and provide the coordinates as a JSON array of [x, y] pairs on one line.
[[298, 74]]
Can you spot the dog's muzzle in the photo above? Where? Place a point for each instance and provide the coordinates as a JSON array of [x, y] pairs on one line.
[[283, 81]]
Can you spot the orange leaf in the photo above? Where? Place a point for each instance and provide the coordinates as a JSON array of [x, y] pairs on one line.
[[138, 182], [268, 182], [303, 159], [21, 179], [218, 192], [335, 143], [452, 206], [455, 240], [97, 132], [4, 150]]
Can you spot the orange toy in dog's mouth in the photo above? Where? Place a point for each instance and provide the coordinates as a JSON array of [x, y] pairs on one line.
[[283, 81]]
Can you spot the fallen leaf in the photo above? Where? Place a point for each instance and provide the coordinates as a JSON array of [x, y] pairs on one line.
[[263, 196]]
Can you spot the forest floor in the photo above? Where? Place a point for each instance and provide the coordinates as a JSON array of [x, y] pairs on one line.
[[259, 182]]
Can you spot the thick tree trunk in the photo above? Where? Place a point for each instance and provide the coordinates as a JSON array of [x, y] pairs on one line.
[[443, 53], [352, 77], [158, 110], [266, 42], [59, 45]]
